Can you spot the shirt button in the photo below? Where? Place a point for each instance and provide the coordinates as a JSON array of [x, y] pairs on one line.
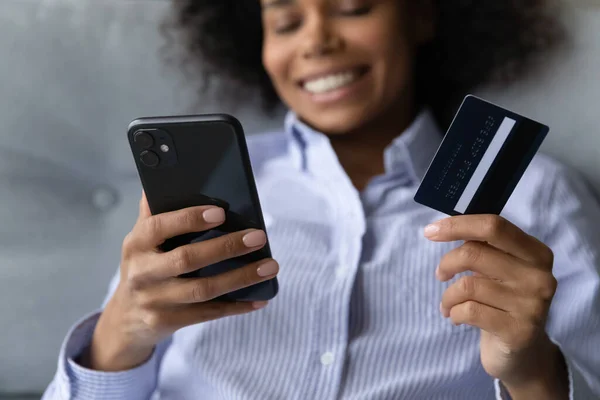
[[103, 199], [327, 358]]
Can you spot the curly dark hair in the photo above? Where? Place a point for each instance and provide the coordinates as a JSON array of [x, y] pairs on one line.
[[477, 42]]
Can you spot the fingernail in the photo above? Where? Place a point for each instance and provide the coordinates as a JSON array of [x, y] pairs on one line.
[[431, 230], [443, 311], [257, 305], [267, 269], [254, 239], [214, 215]]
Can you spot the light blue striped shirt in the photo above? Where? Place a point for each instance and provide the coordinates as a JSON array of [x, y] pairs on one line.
[[357, 316]]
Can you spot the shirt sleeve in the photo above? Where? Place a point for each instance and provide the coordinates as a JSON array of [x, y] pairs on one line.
[[74, 382], [569, 222], [502, 393]]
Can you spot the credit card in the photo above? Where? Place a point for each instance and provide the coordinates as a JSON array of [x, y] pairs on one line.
[[481, 159]]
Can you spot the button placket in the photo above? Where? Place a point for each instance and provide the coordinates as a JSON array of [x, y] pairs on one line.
[[350, 230], [331, 307]]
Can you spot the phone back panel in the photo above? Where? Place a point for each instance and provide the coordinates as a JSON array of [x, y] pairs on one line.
[[189, 161]]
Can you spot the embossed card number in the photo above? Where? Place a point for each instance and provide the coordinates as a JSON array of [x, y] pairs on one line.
[[483, 156]]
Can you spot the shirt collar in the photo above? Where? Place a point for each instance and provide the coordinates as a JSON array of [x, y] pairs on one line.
[[411, 152]]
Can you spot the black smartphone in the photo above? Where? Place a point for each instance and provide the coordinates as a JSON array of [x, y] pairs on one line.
[[188, 161]]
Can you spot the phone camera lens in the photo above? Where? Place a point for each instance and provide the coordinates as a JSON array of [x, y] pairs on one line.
[[143, 139], [149, 158]]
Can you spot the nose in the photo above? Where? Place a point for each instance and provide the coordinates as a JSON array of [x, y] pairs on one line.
[[320, 38]]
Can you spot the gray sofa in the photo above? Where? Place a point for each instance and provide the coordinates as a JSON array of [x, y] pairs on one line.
[[73, 73]]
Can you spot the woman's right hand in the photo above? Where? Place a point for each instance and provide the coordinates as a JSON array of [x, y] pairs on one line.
[[151, 302]]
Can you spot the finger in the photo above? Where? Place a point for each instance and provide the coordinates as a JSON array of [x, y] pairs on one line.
[[144, 207], [198, 290], [492, 229], [153, 231], [490, 319], [192, 314], [483, 259], [481, 290], [194, 256]]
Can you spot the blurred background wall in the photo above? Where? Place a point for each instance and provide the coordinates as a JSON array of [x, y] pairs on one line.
[[73, 73]]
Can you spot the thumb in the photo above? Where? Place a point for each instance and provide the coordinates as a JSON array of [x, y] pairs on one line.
[[144, 207]]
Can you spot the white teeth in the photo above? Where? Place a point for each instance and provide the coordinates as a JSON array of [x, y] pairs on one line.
[[330, 82]]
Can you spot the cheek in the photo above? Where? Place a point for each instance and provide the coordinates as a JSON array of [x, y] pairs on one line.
[[276, 61], [389, 50]]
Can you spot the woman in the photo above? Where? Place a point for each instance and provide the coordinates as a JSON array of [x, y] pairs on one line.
[[360, 314]]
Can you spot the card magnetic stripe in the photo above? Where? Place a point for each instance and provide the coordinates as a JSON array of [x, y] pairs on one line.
[[508, 166]]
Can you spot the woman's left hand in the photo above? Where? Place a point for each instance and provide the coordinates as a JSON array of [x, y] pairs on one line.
[[508, 296]]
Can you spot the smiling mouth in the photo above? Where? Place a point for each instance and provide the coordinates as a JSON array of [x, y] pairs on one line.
[[334, 81]]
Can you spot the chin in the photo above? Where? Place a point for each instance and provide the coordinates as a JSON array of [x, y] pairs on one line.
[[336, 122]]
